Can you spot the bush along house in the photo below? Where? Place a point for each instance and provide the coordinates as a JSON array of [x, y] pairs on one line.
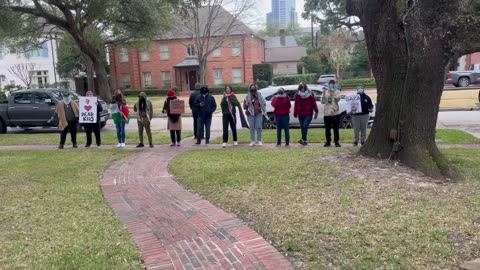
[[172, 61]]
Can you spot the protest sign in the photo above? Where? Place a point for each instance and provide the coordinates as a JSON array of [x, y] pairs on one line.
[[354, 104], [88, 110]]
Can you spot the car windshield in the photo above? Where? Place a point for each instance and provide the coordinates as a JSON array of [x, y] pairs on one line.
[[58, 94]]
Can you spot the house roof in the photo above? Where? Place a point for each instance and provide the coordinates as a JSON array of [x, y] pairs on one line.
[[188, 62], [224, 23], [286, 54], [274, 42]]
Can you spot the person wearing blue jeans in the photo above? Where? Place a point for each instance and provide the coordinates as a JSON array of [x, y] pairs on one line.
[[255, 107], [120, 132], [281, 104], [304, 124], [117, 107], [305, 107]]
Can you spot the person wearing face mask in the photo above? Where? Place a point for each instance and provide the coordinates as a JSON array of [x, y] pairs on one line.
[[67, 112], [305, 108], [360, 120], [255, 108], [281, 104], [145, 114], [174, 123], [331, 110], [93, 127], [120, 116], [229, 114], [206, 106]]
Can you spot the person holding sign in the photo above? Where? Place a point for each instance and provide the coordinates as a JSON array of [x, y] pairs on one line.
[[90, 123], [229, 117], [120, 116], [174, 114], [304, 109], [206, 106], [145, 114], [67, 112], [330, 98], [361, 116]]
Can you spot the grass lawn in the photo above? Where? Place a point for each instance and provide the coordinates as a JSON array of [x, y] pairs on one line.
[[53, 214], [317, 135], [108, 138], [322, 209]]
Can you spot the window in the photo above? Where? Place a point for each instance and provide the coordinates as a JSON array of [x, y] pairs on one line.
[[237, 75], [144, 55], [166, 78], [126, 80], [12, 82], [124, 55], [40, 78], [23, 98], [190, 50], [38, 52], [39, 98], [164, 54], [235, 47], [147, 79], [217, 52], [218, 76]]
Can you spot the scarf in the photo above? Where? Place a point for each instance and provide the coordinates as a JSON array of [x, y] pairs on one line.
[[251, 98], [305, 94], [229, 102]]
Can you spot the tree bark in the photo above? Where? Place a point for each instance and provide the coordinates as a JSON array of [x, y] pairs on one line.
[[409, 68], [202, 69], [90, 74]]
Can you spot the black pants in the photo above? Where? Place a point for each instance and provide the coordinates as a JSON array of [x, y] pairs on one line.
[[332, 122], [72, 127], [204, 125], [175, 136], [229, 119], [195, 124], [95, 128]]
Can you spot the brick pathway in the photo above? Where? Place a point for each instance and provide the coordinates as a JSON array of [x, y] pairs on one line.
[[176, 229]]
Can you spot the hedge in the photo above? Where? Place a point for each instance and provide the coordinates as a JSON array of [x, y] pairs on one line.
[[368, 82], [216, 90], [148, 91]]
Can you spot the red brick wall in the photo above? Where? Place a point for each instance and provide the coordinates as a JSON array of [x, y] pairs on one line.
[[252, 52]]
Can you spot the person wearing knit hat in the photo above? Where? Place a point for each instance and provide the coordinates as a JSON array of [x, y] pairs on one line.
[[206, 106], [360, 119], [144, 108], [174, 123], [191, 103]]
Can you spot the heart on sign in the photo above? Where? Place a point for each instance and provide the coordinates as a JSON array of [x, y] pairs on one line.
[[88, 108]]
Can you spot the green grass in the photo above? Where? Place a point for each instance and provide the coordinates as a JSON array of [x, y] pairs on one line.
[[330, 210], [108, 138], [317, 135], [53, 214]]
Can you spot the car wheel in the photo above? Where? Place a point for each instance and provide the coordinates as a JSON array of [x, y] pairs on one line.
[[269, 123], [464, 82], [3, 127], [103, 124], [345, 121]]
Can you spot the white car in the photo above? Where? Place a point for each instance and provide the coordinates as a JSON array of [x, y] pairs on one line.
[[291, 90]]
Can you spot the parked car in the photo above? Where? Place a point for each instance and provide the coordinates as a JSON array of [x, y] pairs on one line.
[[291, 90], [463, 78], [35, 107], [325, 79]]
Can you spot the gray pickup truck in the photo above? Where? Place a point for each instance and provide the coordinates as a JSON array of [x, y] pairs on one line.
[[463, 78], [35, 107]]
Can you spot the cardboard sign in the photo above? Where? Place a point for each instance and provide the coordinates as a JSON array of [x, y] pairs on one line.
[[354, 104], [88, 110], [177, 106]]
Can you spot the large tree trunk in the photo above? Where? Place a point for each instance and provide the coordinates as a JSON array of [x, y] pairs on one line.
[[90, 74], [202, 69], [410, 82]]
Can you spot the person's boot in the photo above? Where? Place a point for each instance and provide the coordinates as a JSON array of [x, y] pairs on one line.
[[337, 144], [140, 145]]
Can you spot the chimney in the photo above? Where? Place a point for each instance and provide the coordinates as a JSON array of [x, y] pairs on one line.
[[282, 37]]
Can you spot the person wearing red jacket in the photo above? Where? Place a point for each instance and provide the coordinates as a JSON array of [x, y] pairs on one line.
[[304, 109], [281, 105]]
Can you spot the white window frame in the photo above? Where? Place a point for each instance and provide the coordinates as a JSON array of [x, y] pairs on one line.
[[166, 82], [147, 79], [190, 50], [40, 77], [239, 78], [164, 52], [124, 55], [218, 80], [236, 47]]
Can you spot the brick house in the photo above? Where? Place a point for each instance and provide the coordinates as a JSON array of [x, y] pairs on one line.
[[171, 61]]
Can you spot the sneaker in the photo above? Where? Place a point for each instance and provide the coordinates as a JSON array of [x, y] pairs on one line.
[[123, 145], [173, 144], [60, 147], [355, 144], [151, 145], [87, 145], [179, 143], [119, 145], [198, 142], [75, 145], [252, 144], [260, 143], [140, 145], [235, 143], [327, 144], [300, 142], [337, 145], [305, 143], [279, 144], [224, 145]]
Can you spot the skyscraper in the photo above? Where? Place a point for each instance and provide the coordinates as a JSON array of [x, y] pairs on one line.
[[283, 13]]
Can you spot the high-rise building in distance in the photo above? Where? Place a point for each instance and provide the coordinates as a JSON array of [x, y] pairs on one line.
[[283, 13]]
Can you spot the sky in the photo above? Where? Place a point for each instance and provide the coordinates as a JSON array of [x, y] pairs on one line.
[[262, 7]]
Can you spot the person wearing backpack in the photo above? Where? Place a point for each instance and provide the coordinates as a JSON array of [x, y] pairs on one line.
[[174, 123], [360, 120], [281, 104]]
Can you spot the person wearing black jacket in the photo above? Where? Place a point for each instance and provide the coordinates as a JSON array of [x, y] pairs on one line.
[[206, 106], [360, 120], [191, 103], [93, 127]]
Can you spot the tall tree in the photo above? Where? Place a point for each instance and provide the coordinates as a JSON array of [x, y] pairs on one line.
[[116, 21], [410, 45], [209, 24]]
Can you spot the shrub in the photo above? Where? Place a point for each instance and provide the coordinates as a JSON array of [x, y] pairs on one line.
[[262, 72], [261, 84], [368, 82], [310, 78], [237, 88], [148, 91]]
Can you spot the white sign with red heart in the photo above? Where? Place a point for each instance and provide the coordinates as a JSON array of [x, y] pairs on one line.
[[88, 110]]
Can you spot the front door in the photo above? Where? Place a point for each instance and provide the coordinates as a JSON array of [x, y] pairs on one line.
[[192, 79]]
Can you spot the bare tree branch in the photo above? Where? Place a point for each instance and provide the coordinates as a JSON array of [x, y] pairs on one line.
[[24, 72]]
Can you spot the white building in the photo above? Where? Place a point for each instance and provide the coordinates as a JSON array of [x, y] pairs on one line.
[[41, 62]]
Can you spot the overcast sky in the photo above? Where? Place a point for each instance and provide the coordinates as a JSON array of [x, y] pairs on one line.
[[262, 7]]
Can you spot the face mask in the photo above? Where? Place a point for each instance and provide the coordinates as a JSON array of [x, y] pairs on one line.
[[332, 85], [360, 91], [253, 90], [67, 100], [204, 92]]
